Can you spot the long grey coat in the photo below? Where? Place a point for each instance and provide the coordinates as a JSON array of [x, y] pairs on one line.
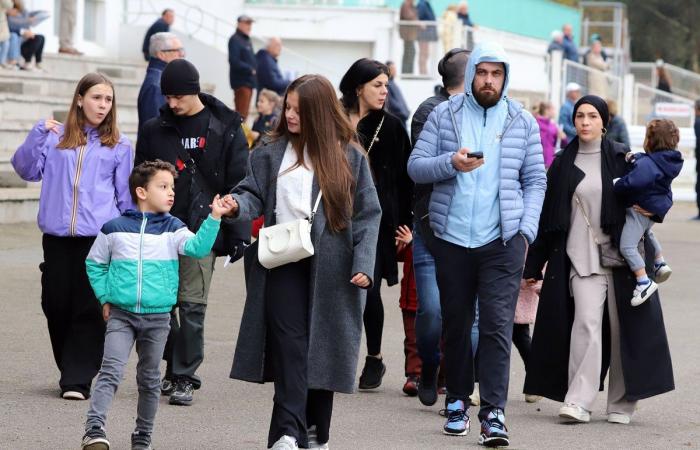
[[336, 305]]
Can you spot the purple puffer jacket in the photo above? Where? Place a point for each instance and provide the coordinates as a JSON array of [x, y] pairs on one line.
[[548, 135], [81, 188]]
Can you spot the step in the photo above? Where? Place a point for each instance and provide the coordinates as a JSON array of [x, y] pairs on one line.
[[77, 66], [28, 107], [57, 85], [14, 132], [19, 205]]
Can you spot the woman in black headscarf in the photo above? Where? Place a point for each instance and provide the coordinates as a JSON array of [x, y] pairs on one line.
[[384, 137], [585, 323]]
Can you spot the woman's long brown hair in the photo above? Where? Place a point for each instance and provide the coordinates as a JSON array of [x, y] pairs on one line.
[[74, 132], [325, 133]]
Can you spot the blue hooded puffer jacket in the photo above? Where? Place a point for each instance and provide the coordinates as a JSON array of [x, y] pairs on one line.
[[522, 181]]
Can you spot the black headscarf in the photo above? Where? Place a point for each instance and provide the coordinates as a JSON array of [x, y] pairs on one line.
[[564, 176], [596, 102]]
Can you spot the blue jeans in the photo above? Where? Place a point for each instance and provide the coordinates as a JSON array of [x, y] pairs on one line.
[[429, 316], [4, 50]]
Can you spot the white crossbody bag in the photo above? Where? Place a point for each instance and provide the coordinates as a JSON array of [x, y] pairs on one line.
[[286, 242]]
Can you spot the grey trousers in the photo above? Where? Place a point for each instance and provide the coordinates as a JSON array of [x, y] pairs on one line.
[[67, 18], [586, 351], [149, 332], [636, 226]]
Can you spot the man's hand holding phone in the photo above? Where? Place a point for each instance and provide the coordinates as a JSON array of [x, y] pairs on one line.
[[466, 161]]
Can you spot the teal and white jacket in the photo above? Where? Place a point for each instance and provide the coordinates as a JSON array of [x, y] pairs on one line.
[[133, 263]]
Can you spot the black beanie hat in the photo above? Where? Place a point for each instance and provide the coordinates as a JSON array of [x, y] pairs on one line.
[[180, 77], [598, 103]]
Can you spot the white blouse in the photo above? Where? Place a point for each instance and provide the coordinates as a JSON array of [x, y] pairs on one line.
[[294, 188]]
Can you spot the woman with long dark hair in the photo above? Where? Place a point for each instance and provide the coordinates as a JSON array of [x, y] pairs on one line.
[[585, 322], [84, 167], [364, 89], [302, 323]]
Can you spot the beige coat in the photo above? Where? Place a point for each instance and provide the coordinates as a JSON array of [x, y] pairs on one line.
[[597, 81], [4, 29]]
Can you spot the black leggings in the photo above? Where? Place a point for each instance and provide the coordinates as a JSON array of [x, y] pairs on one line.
[[521, 340], [33, 48], [373, 317]]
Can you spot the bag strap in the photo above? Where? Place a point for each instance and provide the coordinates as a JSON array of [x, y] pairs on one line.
[[376, 133], [192, 167], [313, 213], [585, 216]]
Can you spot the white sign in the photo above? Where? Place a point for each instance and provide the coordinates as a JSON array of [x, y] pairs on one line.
[[673, 109]]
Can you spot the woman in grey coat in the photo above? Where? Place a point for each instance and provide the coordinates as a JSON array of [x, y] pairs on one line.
[[302, 321]]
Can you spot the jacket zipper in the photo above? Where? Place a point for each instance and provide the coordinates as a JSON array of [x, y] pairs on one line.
[[500, 212], [72, 229], [139, 269]]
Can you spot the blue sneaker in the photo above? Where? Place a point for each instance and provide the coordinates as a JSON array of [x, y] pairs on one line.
[[457, 419], [493, 430]]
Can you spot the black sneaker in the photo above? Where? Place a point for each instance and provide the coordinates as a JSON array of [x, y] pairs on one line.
[[427, 388], [182, 393], [372, 373], [166, 387], [493, 430], [141, 441], [95, 439]]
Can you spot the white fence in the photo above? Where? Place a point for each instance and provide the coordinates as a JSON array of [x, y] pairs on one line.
[[592, 81], [650, 103]]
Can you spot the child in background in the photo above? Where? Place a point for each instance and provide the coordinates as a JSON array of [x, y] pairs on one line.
[[268, 113], [648, 185], [408, 304], [133, 269]]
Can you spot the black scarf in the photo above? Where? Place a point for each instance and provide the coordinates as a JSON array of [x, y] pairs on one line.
[[562, 179]]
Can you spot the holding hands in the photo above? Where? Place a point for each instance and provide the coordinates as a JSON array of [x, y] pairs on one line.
[[404, 237], [464, 163], [221, 208]]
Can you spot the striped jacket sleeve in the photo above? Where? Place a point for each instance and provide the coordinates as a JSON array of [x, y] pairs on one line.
[[197, 245], [97, 264]]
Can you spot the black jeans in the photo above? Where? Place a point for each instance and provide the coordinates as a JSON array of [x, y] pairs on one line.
[[697, 179], [184, 350], [73, 314], [522, 340], [492, 273], [33, 48], [373, 316], [296, 407]]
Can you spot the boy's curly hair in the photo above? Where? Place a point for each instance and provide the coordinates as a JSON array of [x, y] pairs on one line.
[[662, 134], [144, 172]]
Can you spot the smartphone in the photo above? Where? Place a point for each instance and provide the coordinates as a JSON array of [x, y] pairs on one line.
[[478, 155]]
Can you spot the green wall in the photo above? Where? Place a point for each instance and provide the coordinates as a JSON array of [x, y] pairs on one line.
[[536, 18]]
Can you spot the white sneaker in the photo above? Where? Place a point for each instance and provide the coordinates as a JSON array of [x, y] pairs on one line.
[[662, 273], [285, 443], [475, 398], [643, 292], [532, 398], [572, 412], [73, 395], [623, 419]]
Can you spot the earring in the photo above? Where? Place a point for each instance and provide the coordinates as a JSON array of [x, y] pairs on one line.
[[605, 130], [80, 105]]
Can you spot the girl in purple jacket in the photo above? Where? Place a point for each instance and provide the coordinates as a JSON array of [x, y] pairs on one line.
[[84, 167]]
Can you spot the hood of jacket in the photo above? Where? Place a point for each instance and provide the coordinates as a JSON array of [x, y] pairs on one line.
[[670, 162], [485, 52]]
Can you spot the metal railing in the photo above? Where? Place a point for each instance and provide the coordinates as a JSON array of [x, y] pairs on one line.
[[683, 82], [212, 30], [650, 103], [592, 81]]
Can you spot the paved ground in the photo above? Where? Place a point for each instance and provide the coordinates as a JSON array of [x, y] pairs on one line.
[[234, 415]]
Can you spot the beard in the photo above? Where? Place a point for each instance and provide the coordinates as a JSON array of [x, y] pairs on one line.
[[487, 99]]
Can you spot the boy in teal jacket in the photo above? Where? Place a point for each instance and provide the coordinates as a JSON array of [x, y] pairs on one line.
[[133, 269]]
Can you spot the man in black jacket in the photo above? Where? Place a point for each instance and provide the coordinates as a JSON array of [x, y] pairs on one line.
[[243, 65], [161, 25], [203, 138]]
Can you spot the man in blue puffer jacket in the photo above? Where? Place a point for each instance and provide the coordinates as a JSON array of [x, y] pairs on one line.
[[482, 153]]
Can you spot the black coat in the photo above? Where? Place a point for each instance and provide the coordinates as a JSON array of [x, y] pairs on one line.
[[242, 62], [222, 163], [388, 160], [646, 359]]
